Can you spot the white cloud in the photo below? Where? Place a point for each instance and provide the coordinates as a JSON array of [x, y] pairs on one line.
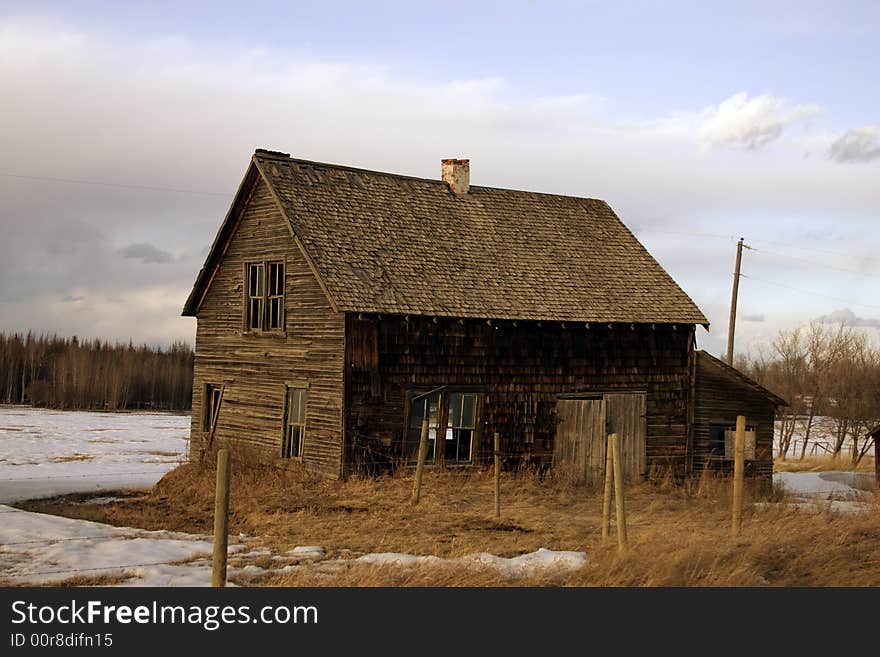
[[749, 123], [856, 145], [739, 121], [849, 318]]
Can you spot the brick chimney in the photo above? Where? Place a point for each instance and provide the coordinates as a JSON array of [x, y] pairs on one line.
[[456, 174]]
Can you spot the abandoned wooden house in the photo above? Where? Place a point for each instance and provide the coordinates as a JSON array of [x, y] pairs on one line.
[[338, 306]]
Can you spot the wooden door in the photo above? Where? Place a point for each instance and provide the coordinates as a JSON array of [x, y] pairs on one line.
[[582, 428], [625, 416], [580, 438]]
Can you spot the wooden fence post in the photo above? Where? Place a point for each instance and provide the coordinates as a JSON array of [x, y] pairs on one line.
[[497, 475], [420, 465], [738, 472], [606, 500], [221, 519], [618, 492]]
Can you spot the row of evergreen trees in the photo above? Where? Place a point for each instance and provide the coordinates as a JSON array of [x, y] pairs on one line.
[[70, 373]]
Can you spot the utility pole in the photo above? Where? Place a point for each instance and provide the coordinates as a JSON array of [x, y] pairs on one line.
[[731, 325]]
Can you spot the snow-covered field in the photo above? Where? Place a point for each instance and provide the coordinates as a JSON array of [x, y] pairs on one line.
[[44, 453]]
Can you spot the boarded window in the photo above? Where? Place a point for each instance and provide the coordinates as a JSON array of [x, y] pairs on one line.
[[294, 422], [211, 407], [748, 446], [264, 309]]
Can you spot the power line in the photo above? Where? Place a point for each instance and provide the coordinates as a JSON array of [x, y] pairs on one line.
[[733, 238], [810, 292], [776, 254], [686, 234], [814, 263], [99, 183], [804, 248]]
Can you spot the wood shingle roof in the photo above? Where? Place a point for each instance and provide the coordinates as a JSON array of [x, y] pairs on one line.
[[394, 244], [710, 360]]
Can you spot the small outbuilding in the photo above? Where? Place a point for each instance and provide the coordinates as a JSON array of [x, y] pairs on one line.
[[720, 394]]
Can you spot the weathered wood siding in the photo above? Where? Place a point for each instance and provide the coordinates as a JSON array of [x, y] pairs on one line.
[[256, 367], [521, 370], [719, 398]]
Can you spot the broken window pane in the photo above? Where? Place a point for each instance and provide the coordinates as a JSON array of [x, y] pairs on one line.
[[294, 422], [211, 407], [460, 426], [416, 414]]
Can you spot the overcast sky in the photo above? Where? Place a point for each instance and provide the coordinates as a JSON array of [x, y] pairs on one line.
[[697, 123]]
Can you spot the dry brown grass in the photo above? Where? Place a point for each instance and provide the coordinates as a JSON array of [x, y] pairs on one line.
[[73, 457], [822, 464], [678, 533]]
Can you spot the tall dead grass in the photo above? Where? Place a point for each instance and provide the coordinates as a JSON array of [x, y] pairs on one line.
[[679, 532]]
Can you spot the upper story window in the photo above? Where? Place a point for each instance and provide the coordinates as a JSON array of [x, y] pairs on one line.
[[264, 301]]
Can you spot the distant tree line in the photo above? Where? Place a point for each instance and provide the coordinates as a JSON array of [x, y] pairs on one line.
[[823, 371], [69, 373]]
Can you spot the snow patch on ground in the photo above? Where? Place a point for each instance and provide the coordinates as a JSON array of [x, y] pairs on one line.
[[532, 562], [36, 548], [315, 552], [397, 559], [511, 567]]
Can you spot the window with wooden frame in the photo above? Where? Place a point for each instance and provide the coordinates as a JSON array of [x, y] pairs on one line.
[[418, 408], [461, 424], [275, 296], [459, 410], [264, 300], [211, 409], [295, 400]]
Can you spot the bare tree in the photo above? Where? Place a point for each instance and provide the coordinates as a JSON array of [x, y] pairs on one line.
[[787, 376]]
